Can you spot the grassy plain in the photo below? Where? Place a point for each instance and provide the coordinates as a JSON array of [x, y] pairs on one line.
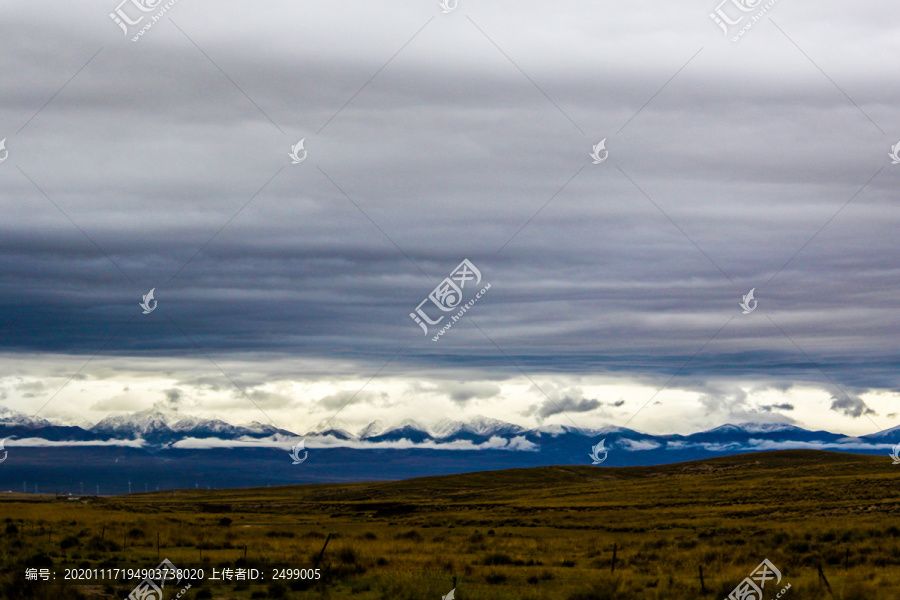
[[529, 534]]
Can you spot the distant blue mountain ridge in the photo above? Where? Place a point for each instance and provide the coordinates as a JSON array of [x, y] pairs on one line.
[[154, 428], [171, 451]]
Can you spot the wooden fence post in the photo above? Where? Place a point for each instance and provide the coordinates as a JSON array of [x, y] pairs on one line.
[[825, 579], [318, 560]]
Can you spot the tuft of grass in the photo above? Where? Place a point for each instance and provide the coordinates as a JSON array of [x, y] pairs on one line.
[[348, 555], [496, 558], [277, 533], [412, 534], [495, 578]]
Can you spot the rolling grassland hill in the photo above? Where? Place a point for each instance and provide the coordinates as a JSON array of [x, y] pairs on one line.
[[828, 522]]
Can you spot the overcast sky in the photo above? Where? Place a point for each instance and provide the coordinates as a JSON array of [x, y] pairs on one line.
[[285, 290]]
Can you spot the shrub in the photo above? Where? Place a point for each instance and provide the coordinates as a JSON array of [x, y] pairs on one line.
[[412, 534], [284, 534], [313, 534], [348, 555], [495, 578], [828, 536], [608, 589], [69, 541], [496, 558]]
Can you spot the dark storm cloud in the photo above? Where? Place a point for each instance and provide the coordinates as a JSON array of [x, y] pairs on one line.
[[173, 398], [463, 392], [567, 405], [448, 152], [851, 406], [772, 407]]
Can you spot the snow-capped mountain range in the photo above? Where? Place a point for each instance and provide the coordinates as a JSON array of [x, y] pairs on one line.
[[175, 451], [161, 429]]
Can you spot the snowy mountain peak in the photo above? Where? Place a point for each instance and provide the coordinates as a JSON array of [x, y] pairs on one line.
[[555, 430], [408, 424], [143, 422], [372, 429], [766, 427], [486, 426], [446, 428], [11, 417], [727, 428], [194, 423]]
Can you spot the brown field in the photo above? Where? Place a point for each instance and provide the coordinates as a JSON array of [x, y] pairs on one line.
[[529, 534]]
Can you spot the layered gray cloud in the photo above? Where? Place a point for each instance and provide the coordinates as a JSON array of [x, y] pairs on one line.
[[432, 138], [851, 406]]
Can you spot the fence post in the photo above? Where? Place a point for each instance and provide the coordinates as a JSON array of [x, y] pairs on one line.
[[318, 560], [825, 579]]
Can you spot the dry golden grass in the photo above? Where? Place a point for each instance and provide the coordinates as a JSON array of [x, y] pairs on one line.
[[516, 534]]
